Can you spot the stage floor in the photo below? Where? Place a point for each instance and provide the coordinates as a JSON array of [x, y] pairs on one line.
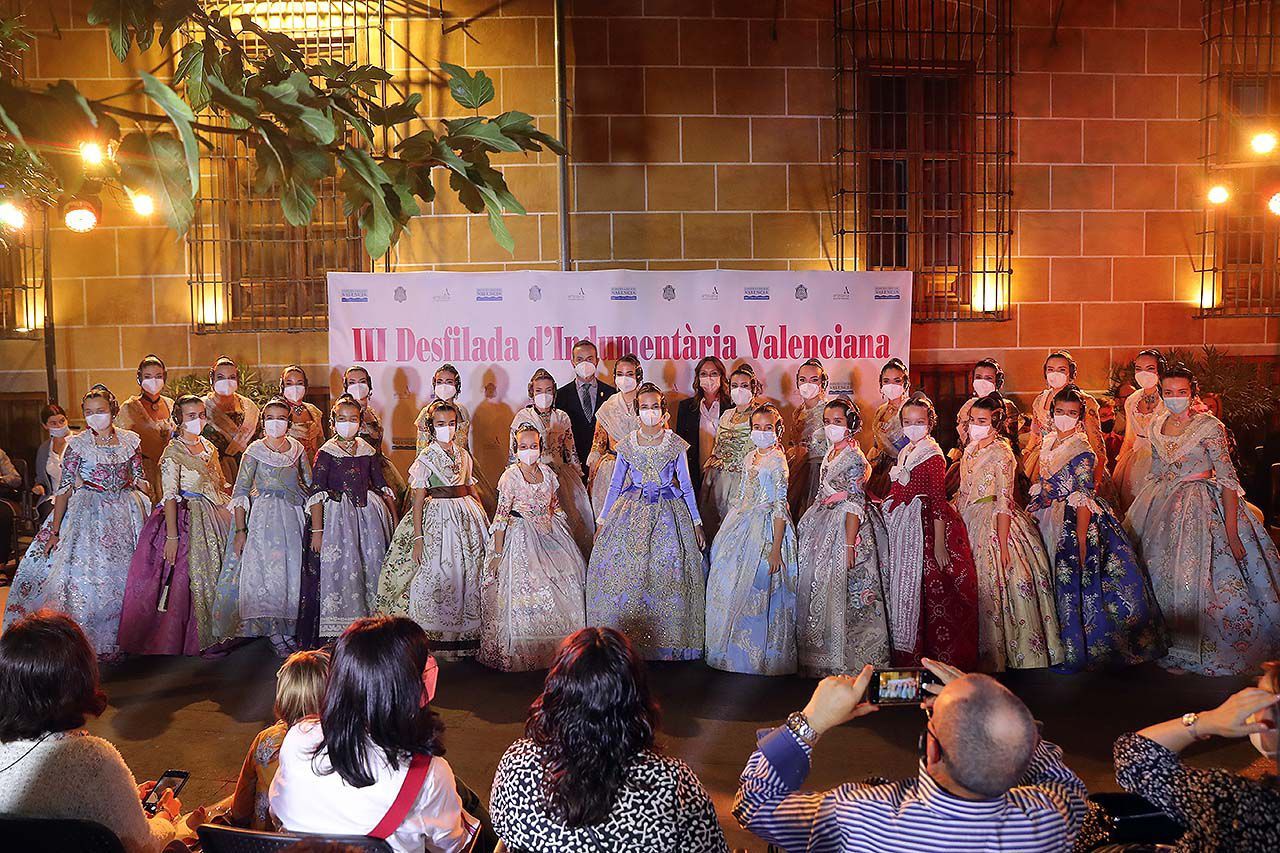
[[200, 716]]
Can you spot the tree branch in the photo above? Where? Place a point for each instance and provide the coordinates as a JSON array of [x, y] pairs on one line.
[[163, 119]]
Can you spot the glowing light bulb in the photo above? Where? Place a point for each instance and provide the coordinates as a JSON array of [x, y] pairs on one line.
[[92, 154], [1263, 143], [143, 204], [80, 216], [1218, 194], [1273, 204], [11, 216]]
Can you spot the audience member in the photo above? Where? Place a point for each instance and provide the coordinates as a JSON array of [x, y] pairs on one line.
[[1219, 810], [986, 780], [299, 693], [10, 494], [49, 766], [372, 764], [587, 777]]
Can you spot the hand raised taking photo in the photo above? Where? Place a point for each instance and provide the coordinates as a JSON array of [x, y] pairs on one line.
[[838, 699]]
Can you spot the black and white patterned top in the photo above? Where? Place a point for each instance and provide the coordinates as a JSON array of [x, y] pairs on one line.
[[662, 807], [1220, 810]]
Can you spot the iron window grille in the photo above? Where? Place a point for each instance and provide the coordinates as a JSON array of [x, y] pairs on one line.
[[923, 130]]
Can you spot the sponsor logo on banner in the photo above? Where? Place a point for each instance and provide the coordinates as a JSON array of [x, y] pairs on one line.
[[802, 292], [755, 294], [577, 296], [668, 293], [400, 295], [883, 292], [535, 293], [442, 296], [841, 295], [711, 295], [488, 294], [622, 294], [354, 294]]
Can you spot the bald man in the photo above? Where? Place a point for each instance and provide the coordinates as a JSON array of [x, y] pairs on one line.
[[986, 780]]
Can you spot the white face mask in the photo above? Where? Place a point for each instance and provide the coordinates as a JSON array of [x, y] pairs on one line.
[[764, 438], [225, 387], [346, 429], [446, 391], [983, 387], [915, 432], [651, 417], [741, 396], [359, 390], [977, 432], [444, 434], [584, 369], [60, 432], [543, 401], [275, 427], [1146, 379], [835, 433], [1056, 380], [295, 393], [1177, 405], [809, 390], [195, 426], [709, 384], [529, 455], [98, 422], [152, 385], [626, 384], [1064, 423], [891, 390]]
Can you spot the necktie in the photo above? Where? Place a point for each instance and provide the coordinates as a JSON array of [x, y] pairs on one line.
[[586, 402]]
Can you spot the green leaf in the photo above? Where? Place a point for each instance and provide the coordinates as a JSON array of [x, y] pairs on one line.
[[172, 16], [486, 133], [156, 163], [238, 105], [66, 92], [280, 44], [179, 112], [192, 68], [283, 99], [343, 108], [418, 147], [406, 110], [115, 16], [500, 233], [467, 192], [470, 92]]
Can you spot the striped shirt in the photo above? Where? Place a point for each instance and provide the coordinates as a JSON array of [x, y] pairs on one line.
[[1043, 813]]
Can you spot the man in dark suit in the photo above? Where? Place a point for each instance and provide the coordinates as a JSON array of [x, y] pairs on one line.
[[582, 397]]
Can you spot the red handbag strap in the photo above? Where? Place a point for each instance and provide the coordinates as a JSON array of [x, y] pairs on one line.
[[407, 796]]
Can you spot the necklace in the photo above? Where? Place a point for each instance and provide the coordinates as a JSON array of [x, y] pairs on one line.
[[111, 441]]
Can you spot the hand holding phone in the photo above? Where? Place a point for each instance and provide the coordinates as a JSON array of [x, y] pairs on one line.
[[171, 782], [904, 685]]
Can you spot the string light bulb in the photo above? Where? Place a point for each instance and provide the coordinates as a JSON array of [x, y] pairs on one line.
[[1273, 204], [143, 204], [1218, 194], [1263, 143], [80, 215], [11, 216], [92, 154]]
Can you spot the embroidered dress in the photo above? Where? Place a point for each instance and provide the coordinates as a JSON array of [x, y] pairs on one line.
[[886, 441], [231, 430], [722, 474], [154, 433], [442, 592], [933, 611], [1134, 462], [357, 528], [85, 575], [531, 597], [485, 491], [1223, 615], [1017, 612], [559, 454], [615, 420], [751, 612], [841, 617], [371, 431], [260, 590], [647, 576], [1042, 426], [804, 455], [1107, 612], [307, 426], [185, 627]]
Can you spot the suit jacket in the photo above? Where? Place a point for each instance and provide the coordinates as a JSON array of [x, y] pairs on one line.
[[688, 423], [584, 427]]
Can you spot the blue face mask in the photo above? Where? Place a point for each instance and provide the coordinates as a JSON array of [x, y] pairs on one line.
[[1177, 405]]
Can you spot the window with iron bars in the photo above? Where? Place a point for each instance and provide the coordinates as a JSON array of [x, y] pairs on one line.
[[923, 149]]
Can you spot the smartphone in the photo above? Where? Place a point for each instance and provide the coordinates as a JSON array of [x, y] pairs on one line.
[[900, 686], [172, 780]]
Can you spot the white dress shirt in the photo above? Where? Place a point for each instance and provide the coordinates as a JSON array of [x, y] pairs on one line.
[[708, 423]]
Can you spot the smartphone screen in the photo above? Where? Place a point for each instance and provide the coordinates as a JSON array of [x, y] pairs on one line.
[[172, 780], [900, 686]]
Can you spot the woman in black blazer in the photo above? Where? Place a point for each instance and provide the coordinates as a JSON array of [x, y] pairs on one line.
[[710, 385]]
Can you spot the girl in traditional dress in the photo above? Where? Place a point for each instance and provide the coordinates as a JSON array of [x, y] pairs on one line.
[[446, 384], [532, 593], [615, 420], [260, 589], [357, 382], [1107, 613], [233, 418], [433, 566], [350, 507], [751, 590], [841, 609], [1059, 372], [559, 453], [647, 575], [933, 587], [150, 415], [169, 597], [306, 423], [808, 442], [79, 561], [988, 377], [1017, 611], [886, 430], [722, 473], [1215, 570], [1141, 408]]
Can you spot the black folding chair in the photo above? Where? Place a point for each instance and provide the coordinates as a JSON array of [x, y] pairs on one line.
[[229, 839], [50, 835]]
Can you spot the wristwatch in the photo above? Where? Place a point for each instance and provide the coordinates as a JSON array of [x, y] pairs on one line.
[[1190, 720], [799, 725]]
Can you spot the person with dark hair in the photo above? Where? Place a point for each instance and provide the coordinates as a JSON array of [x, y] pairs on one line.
[[306, 423], [1107, 611], [1140, 408], [583, 397], [615, 420], [588, 777], [48, 473], [1215, 569], [806, 439], [987, 781], [446, 384], [373, 762], [357, 383], [1017, 612], [698, 416], [79, 560], [723, 470], [49, 766], [233, 417], [169, 596], [1059, 372], [886, 428], [987, 378], [149, 414]]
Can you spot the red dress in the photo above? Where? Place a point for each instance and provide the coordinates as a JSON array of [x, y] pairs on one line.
[[949, 607]]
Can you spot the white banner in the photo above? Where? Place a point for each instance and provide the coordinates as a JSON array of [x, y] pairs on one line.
[[497, 328]]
